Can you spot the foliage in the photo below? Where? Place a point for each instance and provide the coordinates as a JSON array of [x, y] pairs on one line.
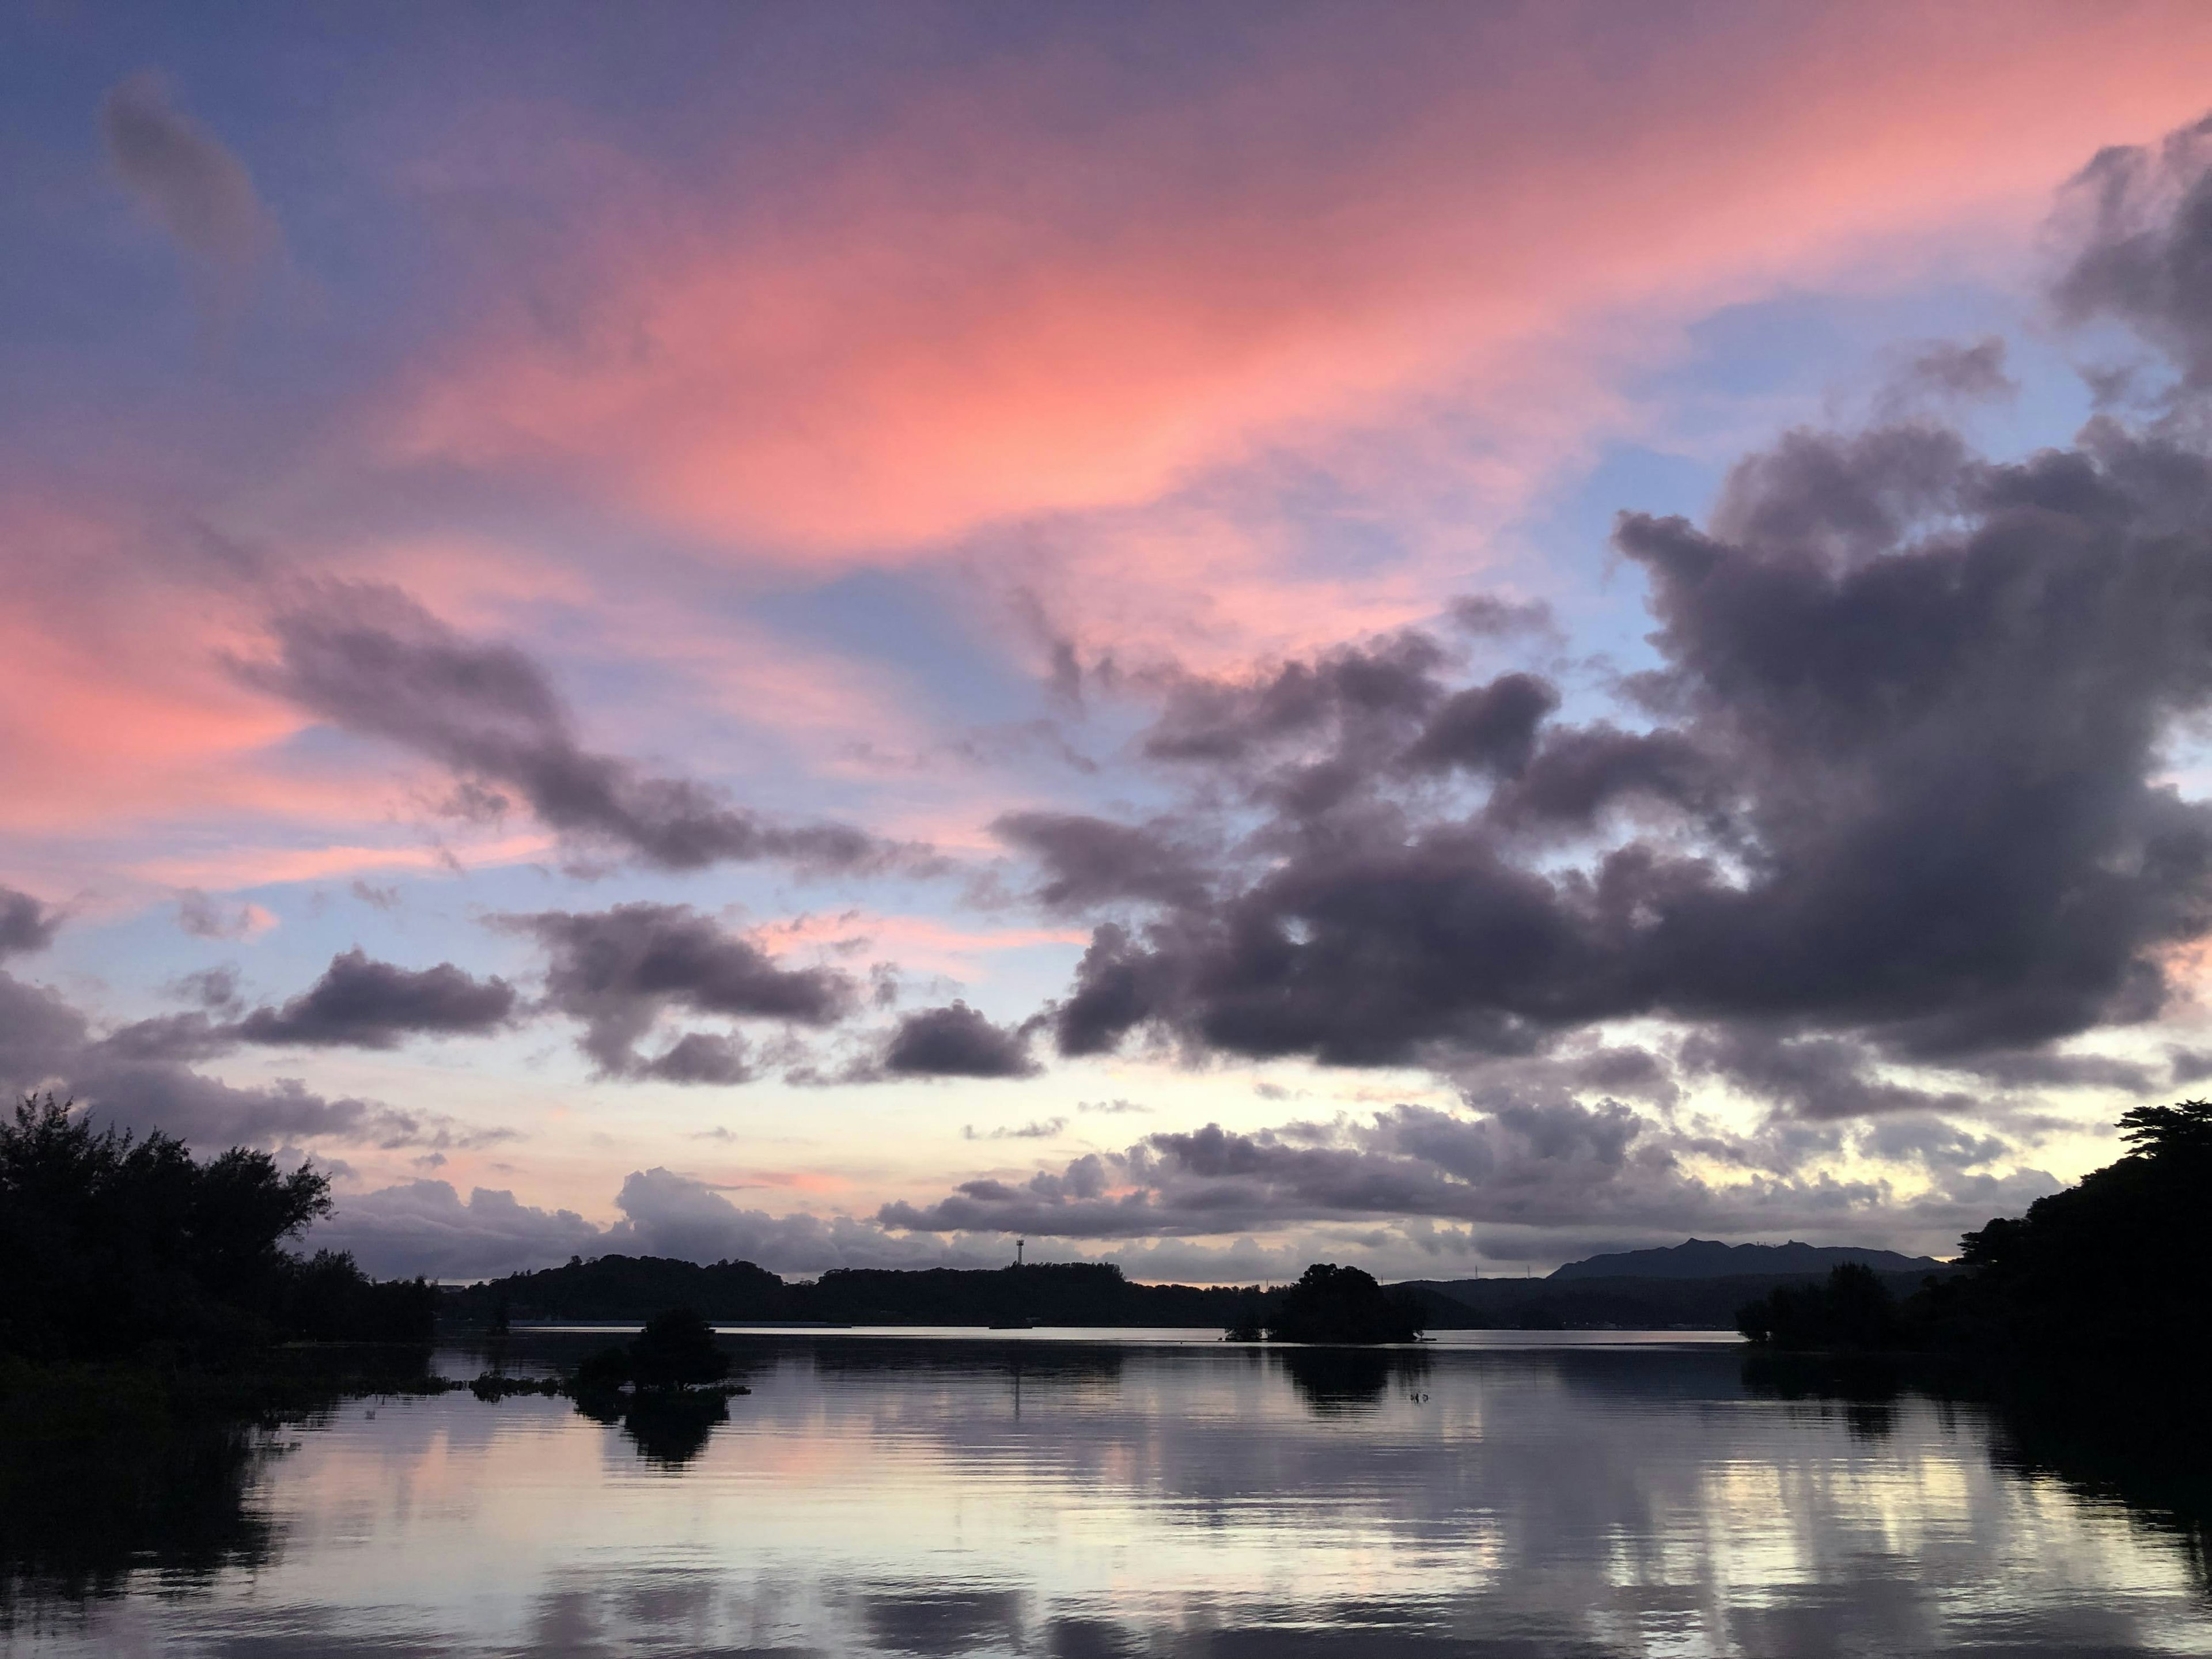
[[1850, 1312], [115, 1246], [733, 1293], [1331, 1303], [2115, 1269], [676, 1350]]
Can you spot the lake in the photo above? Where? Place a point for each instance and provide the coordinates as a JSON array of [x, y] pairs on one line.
[[1012, 1493]]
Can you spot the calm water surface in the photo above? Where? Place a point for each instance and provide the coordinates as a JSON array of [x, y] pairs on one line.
[[1019, 1495]]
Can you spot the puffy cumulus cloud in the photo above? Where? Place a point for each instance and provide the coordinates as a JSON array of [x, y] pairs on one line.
[[26, 924], [956, 1040], [619, 970], [371, 660], [423, 1227], [186, 180], [1537, 1171], [364, 1004], [1895, 794], [1901, 779]]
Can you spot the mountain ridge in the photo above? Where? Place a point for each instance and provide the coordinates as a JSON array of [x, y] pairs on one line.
[[1707, 1258]]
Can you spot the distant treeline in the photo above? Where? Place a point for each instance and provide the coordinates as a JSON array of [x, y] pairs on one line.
[[115, 1248], [631, 1288], [628, 1289], [2116, 1269]]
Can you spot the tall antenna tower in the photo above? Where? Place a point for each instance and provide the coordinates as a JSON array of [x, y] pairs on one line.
[[1017, 1250]]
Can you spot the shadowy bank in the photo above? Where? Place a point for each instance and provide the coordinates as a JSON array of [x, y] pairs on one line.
[[114, 1249], [2112, 1276]]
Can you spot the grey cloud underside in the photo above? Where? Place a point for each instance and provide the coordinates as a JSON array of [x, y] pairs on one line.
[[371, 660], [619, 971]]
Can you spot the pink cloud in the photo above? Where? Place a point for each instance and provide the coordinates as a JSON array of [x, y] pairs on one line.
[[1024, 301]]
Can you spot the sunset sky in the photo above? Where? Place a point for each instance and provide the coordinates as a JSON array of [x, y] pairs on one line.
[[1215, 635]]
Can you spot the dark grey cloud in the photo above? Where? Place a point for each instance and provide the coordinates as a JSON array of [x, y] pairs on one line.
[[2142, 228], [370, 660], [1486, 617], [364, 1004], [955, 1040], [1350, 690], [1486, 728], [712, 1057], [186, 179], [1089, 861], [25, 923], [141, 1077], [1946, 372], [619, 970], [1815, 1078]]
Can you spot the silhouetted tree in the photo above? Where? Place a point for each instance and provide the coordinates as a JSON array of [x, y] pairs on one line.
[[110, 1242], [675, 1350], [1851, 1312], [1331, 1303]]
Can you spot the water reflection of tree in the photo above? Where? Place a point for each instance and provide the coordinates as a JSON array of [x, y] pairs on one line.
[[2142, 1446], [668, 1427], [1344, 1381], [2104, 1434], [84, 1504]]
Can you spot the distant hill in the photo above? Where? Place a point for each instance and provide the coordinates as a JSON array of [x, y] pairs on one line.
[[1705, 1258]]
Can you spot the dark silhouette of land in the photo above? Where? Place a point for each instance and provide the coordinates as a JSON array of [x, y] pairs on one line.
[[119, 1248], [622, 1288], [1705, 1258], [2112, 1274]]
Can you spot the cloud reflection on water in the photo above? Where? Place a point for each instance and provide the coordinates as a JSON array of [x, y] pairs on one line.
[[956, 1497]]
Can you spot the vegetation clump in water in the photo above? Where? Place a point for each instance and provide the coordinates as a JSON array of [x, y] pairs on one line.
[[1330, 1303]]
